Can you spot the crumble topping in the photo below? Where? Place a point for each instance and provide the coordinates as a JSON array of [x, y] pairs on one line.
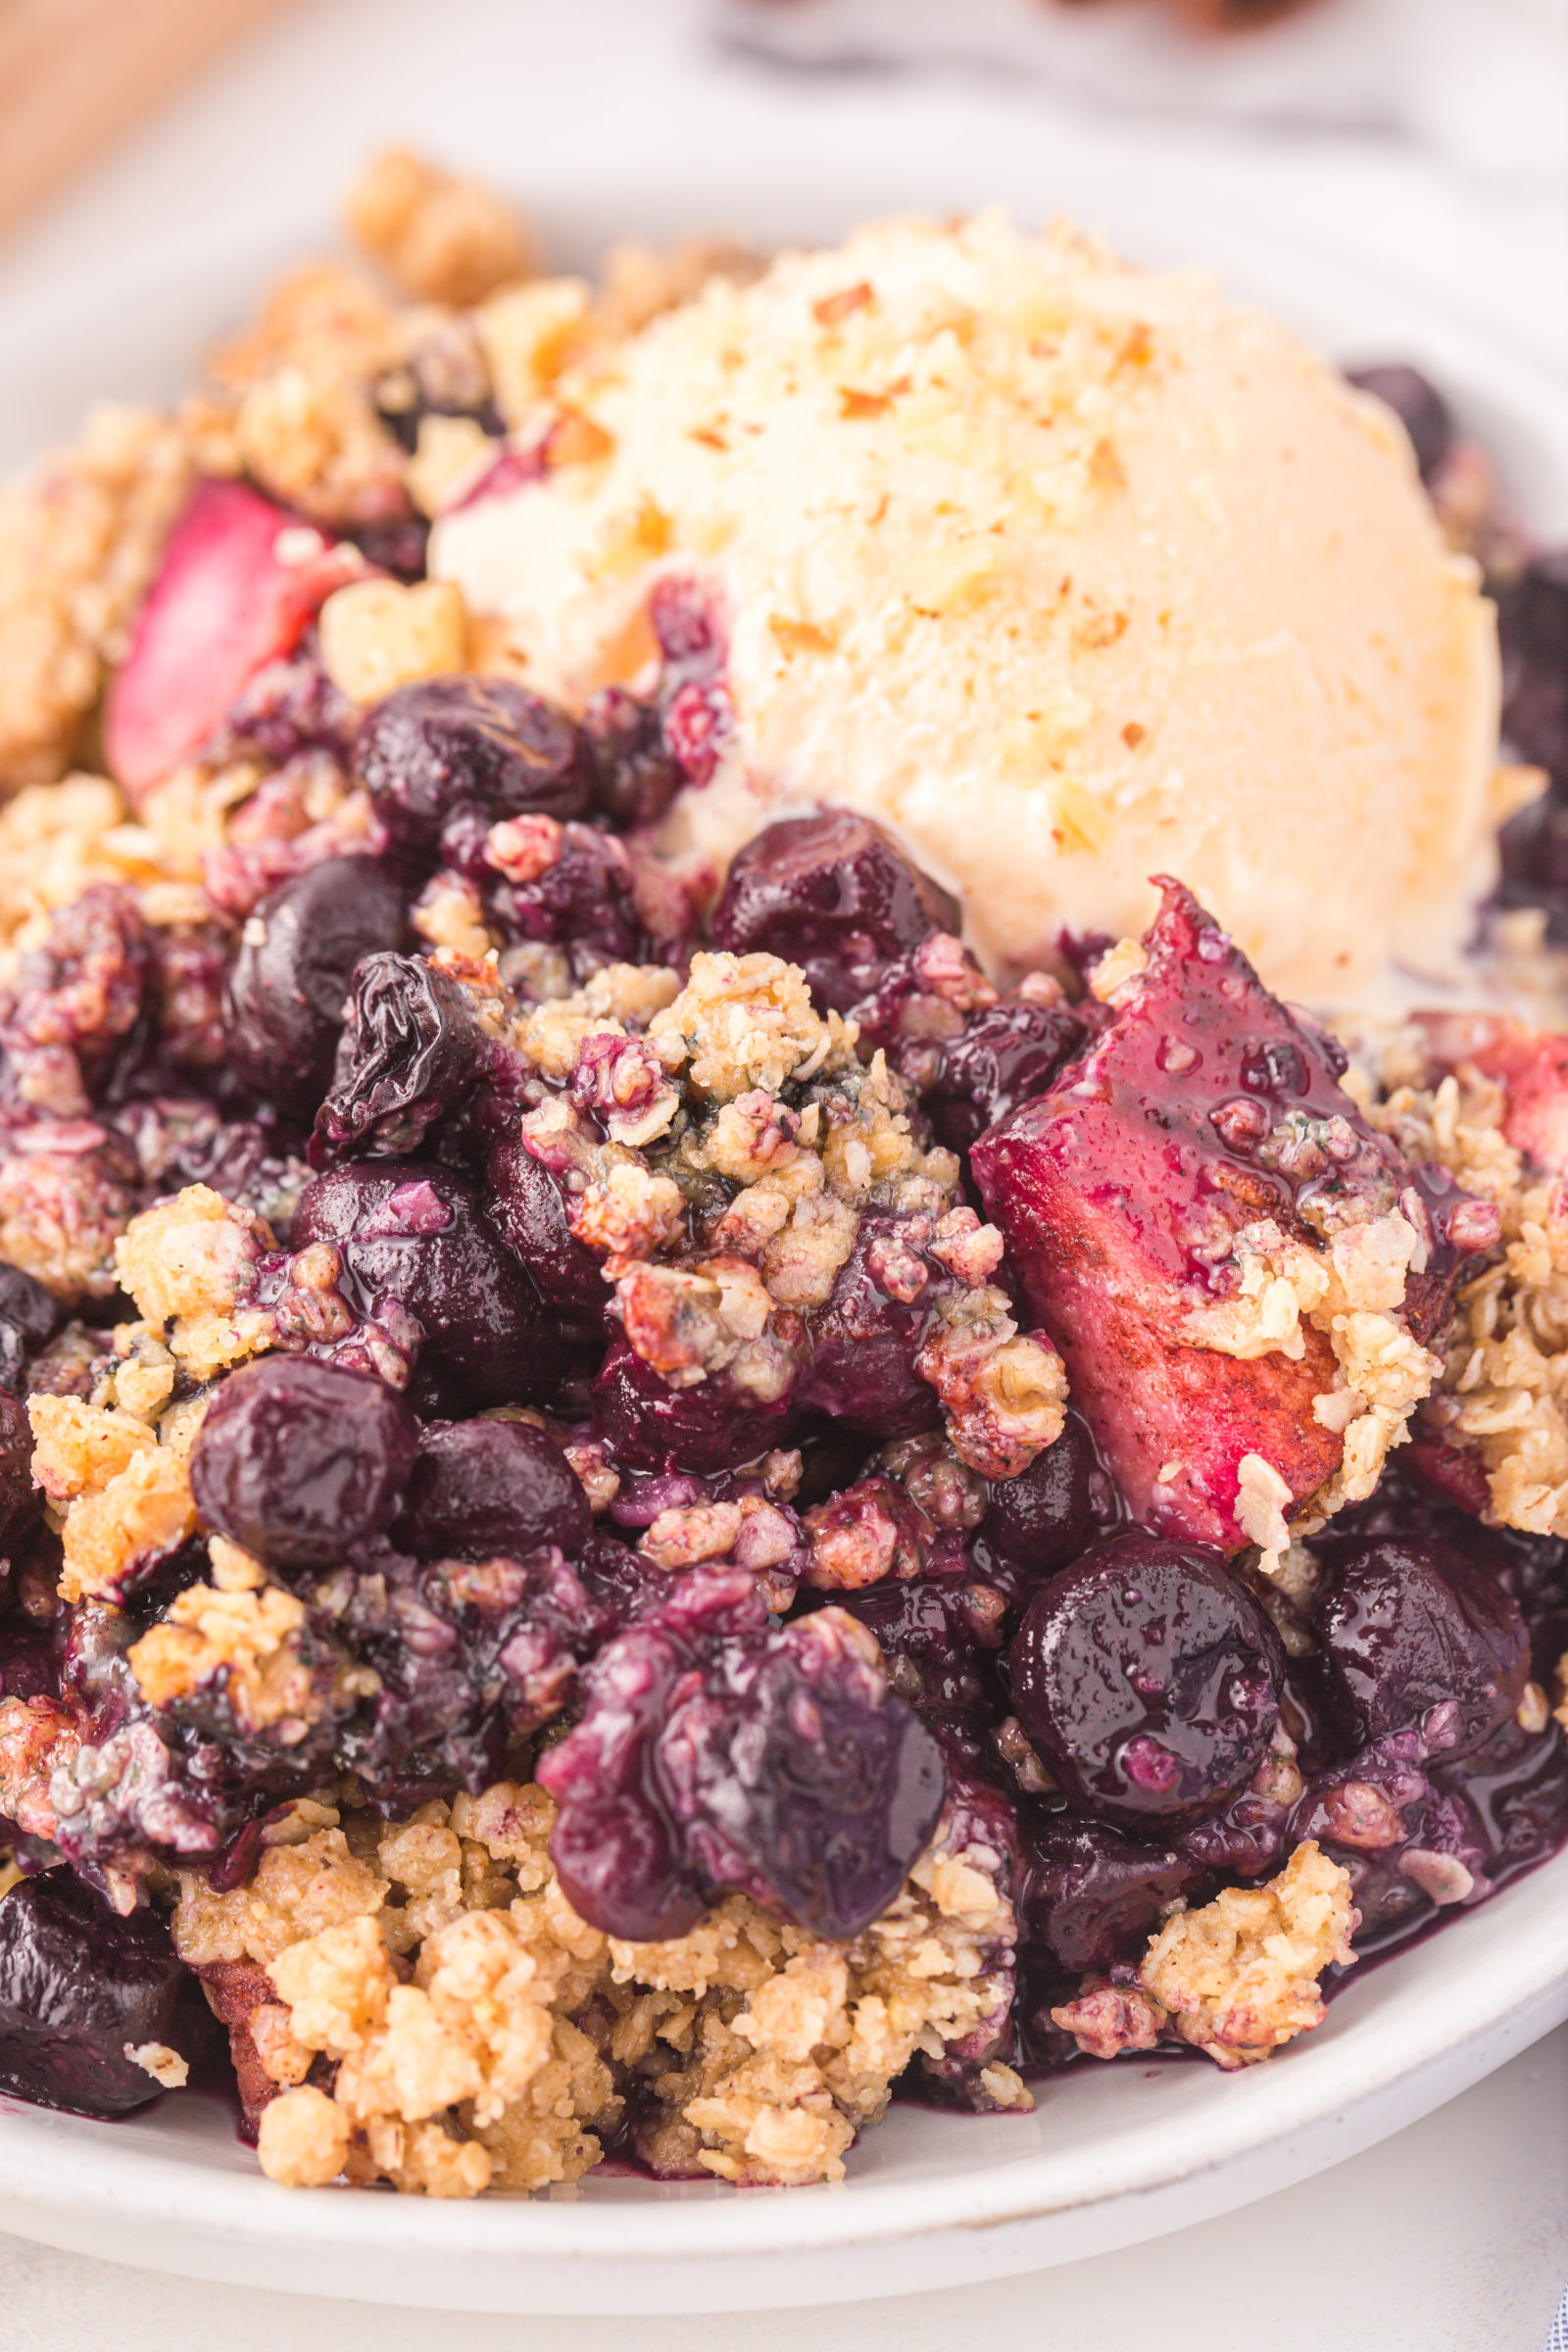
[[485, 2037], [80, 539], [744, 1021], [443, 238], [378, 634], [1504, 1379], [1238, 1976], [1352, 1290]]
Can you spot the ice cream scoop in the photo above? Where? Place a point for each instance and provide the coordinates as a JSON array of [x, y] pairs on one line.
[[1067, 572]]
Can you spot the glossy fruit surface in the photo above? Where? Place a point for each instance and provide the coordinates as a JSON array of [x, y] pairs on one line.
[[483, 1489], [1416, 1639], [487, 744], [832, 893], [1148, 1679], [299, 1461], [289, 985], [77, 1984]]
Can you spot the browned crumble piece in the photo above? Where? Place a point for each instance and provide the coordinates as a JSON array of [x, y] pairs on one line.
[[1239, 1977], [1004, 1395], [188, 1265], [444, 239], [292, 402], [66, 1194], [35, 1734], [80, 538], [744, 1021]]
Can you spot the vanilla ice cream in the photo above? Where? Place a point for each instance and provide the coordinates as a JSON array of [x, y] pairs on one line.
[[1068, 572]]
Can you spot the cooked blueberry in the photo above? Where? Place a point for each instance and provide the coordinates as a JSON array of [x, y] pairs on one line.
[[483, 1488], [486, 744], [416, 1232], [1148, 1678], [19, 1500], [409, 1052], [530, 1208], [936, 1631], [1005, 1054], [1533, 624], [78, 1986], [298, 1461], [29, 1317], [1042, 1518], [1420, 408], [833, 893], [1090, 1895], [648, 1425], [635, 778], [714, 1752], [290, 979], [1416, 1639], [576, 893], [864, 1342], [30, 1659]]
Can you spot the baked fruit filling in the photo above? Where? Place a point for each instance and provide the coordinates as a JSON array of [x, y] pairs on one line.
[[641, 1507]]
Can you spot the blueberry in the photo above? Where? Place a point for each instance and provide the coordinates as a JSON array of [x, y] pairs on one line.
[[30, 1659], [410, 1052], [290, 979], [416, 1232], [934, 1628], [715, 1752], [1042, 1518], [1532, 626], [1414, 1637], [648, 1425], [529, 1207], [29, 1317], [864, 1342], [1420, 408], [583, 901], [833, 893], [635, 778], [299, 1461], [483, 1489], [486, 744], [1090, 1895], [77, 1984], [1006, 1054], [1148, 1678]]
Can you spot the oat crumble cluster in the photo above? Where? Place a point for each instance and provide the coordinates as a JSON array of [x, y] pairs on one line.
[[640, 1509]]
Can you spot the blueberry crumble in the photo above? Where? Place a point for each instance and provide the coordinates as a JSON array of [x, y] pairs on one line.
[[663, 1474]]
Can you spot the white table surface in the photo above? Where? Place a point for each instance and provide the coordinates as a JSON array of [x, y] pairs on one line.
[[1456, 2233]]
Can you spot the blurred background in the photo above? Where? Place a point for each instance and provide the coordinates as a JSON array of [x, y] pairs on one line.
[[1429, 139]]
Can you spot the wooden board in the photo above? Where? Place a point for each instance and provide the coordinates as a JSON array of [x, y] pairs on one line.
[[76, 74]]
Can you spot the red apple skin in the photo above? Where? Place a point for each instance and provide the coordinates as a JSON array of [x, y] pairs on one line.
[[225, 601]]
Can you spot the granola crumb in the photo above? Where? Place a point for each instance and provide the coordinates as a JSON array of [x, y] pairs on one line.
[[1239, 1975], [303, 2141], [443, 238], [165, 2066], [377, 635]]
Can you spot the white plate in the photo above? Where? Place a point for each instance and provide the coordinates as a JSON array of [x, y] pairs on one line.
[[1112, 2155]]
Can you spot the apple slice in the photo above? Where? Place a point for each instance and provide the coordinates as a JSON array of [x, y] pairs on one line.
[[241, 581], [1206, 1107]]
